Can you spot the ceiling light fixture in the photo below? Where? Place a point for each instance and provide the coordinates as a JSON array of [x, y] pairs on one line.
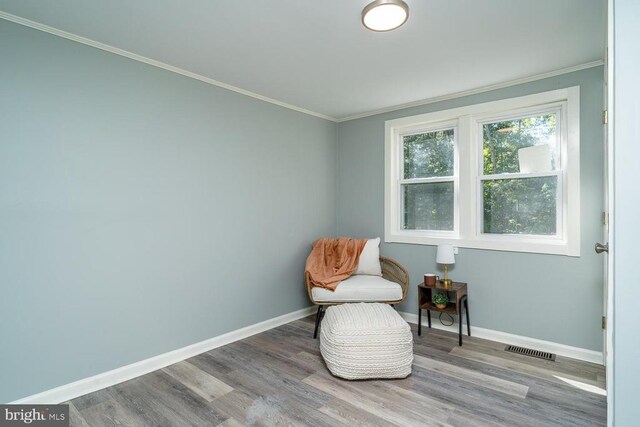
[[385, 15]]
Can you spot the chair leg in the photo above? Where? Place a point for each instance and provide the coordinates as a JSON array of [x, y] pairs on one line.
[[318, 318]]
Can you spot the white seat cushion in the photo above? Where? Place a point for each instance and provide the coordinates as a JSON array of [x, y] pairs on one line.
[[360, 288]]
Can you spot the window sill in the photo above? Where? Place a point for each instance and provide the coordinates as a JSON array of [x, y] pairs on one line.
[[497, 243]]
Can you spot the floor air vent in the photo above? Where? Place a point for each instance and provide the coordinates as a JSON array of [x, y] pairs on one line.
[[530, 352]]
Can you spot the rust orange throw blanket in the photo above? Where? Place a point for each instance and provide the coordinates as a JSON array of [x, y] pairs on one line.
[[333, 260]]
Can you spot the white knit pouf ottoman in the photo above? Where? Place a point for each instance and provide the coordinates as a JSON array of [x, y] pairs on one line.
[[360, 341]]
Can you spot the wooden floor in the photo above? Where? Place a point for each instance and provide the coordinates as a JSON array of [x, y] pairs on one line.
[[279, 378]]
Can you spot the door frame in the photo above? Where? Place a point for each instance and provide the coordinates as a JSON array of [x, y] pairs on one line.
[[609, 200]]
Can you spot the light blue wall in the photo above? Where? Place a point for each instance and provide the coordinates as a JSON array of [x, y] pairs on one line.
[[142, 211], [626, 213], [554, 298]]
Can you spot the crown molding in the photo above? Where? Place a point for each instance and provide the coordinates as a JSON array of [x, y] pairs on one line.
[[474, 91], [153, 62], [108, 48]]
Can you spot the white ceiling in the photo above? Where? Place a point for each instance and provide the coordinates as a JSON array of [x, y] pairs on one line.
[[317, 56]]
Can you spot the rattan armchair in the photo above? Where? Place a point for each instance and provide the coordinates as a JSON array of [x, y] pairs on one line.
[[391, 271]]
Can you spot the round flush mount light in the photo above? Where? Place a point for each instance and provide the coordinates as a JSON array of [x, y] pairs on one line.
[[385, 15]]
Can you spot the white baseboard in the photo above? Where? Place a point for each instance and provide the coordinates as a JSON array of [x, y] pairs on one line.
[[503, 337], [125, 373]]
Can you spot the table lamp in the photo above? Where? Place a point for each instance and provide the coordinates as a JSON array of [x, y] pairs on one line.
[[445, 257]]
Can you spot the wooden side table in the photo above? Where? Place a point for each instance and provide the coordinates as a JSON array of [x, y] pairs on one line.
[[424, 303]]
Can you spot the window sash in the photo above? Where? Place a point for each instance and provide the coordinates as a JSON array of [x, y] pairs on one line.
[[560, 209], [401, 181], [403, 213], [556, 108]]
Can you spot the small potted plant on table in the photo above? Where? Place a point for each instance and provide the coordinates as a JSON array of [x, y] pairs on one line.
[[440, 299]]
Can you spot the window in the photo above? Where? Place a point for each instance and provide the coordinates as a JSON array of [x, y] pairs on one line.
[[519, 175], [502, 175], [428, 179]]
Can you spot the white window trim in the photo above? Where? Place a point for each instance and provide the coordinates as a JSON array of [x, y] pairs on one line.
[[467, 227]]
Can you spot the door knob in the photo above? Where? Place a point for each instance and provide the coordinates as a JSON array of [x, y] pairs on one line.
[[602, 248]]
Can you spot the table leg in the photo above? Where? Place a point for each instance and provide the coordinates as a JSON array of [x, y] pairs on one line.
[[459, 323], [429, 318], [419, 321], [466, 309]]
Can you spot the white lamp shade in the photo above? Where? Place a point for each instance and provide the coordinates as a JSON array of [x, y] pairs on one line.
[[445, 255]]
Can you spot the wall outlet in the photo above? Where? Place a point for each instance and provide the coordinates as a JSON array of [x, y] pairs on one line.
[[455, 250]]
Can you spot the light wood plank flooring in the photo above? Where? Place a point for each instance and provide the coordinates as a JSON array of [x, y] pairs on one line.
[[278, 378]]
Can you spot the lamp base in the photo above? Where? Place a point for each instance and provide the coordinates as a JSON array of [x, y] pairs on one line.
[[447, 282]]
